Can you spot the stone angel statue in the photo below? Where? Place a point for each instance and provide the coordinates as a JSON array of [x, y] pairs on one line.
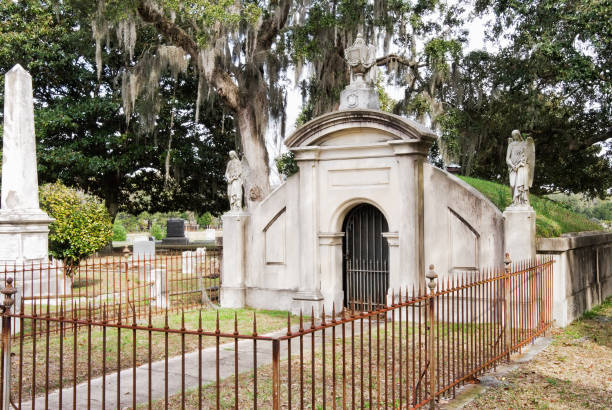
[[520, 159], [233, 176]]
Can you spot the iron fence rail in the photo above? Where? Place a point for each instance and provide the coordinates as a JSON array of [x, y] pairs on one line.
[[413, 352]]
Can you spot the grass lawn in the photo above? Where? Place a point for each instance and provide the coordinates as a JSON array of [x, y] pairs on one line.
[[574, 372], [552, 219], [267, 321]]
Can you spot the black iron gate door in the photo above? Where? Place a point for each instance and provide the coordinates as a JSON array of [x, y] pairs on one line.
[[366, 255]]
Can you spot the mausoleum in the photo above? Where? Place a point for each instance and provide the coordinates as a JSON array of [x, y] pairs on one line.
[[360, 220]]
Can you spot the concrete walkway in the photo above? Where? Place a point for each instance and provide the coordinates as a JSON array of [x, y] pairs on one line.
[[226, 359]]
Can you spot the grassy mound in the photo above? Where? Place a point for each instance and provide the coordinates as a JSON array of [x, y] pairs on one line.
[[552, 219]]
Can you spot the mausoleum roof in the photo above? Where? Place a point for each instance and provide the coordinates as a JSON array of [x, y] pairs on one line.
[[318, 129]]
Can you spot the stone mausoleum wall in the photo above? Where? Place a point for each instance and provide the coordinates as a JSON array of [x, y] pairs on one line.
[[464, 230], [286, 252], [582, 272]]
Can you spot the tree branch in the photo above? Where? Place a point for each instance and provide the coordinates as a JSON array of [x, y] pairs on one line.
[[226, 88], [167, 28], [395, 58], [272, 26]]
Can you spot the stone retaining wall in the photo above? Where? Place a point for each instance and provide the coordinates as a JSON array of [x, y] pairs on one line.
[[582, 272]]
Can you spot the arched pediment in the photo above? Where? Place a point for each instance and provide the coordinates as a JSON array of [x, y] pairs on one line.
[[358, 127]]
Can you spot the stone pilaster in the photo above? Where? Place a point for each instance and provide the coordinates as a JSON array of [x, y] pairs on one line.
[[330, 248], [308, 298]]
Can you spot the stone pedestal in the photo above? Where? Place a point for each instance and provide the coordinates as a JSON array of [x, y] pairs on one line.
[[520, 232], [24, 236], [359, 95], [233, 274]]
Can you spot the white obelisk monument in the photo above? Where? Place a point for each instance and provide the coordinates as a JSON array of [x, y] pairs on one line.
[[24, 227]]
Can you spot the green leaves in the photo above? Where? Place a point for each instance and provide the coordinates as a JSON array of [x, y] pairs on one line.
[[82, 224], [286, 164], [553, 81]]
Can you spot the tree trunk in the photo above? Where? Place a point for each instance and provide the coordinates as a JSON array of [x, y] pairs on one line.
[[256, 181]]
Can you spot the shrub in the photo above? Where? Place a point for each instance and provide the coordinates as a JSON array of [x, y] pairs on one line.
[[128, 221], [205, 220], [119, 232], [286, 164], [82, 224], [158, 232]]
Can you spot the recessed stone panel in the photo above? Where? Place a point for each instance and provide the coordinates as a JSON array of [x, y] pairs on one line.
[[358, 177], [34, 246], [9, 246], [463, 243], [275, 233]]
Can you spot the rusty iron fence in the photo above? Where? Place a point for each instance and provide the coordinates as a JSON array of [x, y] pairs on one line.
[[416, 351], [122, 285]]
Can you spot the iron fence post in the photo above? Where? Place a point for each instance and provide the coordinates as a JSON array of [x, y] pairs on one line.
[[276, 373], [432, 276], [7, 303], [507, 307]]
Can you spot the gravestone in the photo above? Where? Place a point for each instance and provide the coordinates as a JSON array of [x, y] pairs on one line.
[[193, 261], [24, 227], [143, 257], [187, 262], [159, 288], [175, 232]]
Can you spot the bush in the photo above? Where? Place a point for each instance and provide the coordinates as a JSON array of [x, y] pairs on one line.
[[82, 224], [205, 220], [286, 164], [119, 233], [128, 221], [158, 232]]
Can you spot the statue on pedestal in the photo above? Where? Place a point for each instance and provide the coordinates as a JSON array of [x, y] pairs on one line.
[[233, 176], [520, 158]]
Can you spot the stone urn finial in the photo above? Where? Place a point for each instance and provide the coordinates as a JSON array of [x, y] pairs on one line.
[[360, 93]]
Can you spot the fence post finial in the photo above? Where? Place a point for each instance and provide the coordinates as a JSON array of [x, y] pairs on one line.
[[507, 261], [8, 293], [432, 276]]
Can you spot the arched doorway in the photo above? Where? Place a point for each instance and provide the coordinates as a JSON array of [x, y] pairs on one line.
[[365, 278]]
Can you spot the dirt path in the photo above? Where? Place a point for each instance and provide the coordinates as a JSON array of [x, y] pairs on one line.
[[573, 372]]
